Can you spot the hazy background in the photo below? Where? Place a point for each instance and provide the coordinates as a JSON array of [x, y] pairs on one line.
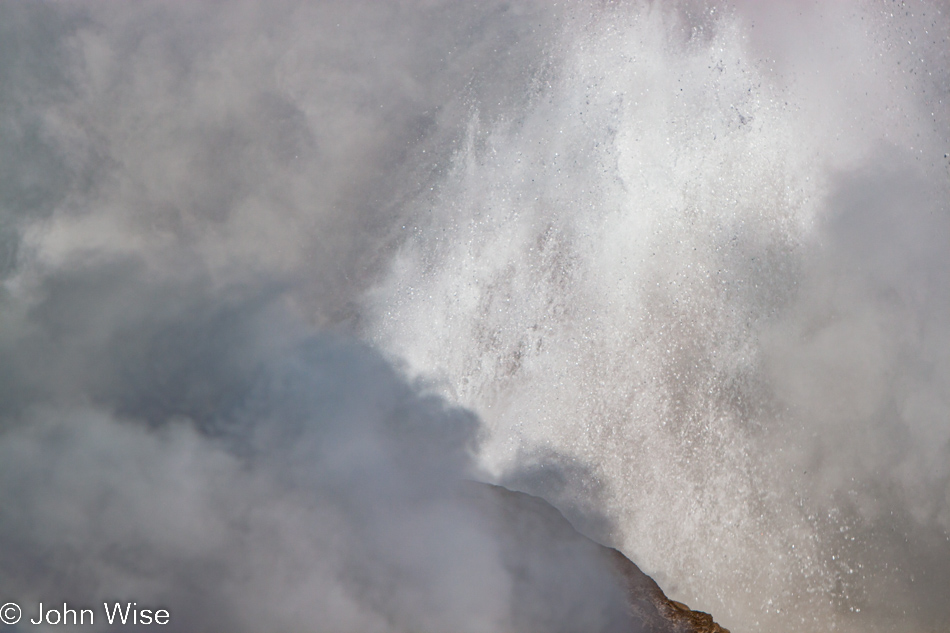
[[275, 277]]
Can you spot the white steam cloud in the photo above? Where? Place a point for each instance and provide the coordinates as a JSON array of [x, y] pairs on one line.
[[710, 261], [278, 277]]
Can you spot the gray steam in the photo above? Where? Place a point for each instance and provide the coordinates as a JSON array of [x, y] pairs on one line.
[[194, 197], [287, 484], [277, 277]]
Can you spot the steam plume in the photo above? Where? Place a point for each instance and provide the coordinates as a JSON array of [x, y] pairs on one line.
[[277, 277]]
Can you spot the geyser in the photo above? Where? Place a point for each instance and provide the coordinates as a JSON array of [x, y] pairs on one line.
[[276, 278]]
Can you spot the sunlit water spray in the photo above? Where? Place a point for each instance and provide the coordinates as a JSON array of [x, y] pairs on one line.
[[708, 261], [688, 262]]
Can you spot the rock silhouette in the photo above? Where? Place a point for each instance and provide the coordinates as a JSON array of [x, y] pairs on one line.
[[539, 531]]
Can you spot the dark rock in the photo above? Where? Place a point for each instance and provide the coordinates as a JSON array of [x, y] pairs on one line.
[[615, 593]]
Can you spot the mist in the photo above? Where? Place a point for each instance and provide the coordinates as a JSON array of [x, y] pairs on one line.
[[279, 279]]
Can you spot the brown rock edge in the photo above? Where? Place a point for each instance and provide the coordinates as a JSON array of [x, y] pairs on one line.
[[653, 608], [536, 524]]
